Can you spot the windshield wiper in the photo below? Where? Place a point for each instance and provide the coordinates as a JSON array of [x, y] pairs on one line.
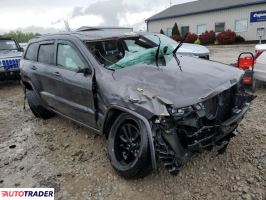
[[180, 44], [158, 51], [176, 49]]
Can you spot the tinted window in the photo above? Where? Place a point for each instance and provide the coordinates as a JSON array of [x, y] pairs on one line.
[[68, 57], [219, 27], [8, 45], [184, 30], [31, 53], [46, 53]]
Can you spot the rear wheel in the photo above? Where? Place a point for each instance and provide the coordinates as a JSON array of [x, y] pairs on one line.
[[35, 105], [128, 147]]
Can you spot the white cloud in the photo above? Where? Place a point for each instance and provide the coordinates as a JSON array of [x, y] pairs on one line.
[[47, 15]]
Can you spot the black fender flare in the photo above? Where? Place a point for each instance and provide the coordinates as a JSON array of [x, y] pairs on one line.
[[147, 125], [28, 81]]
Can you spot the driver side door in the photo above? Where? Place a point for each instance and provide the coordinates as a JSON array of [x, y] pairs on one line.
[[76, 97]]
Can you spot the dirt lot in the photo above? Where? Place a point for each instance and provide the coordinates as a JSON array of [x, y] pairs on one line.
[[57, 153]]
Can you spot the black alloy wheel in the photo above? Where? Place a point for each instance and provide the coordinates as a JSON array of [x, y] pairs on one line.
[[128, 147]]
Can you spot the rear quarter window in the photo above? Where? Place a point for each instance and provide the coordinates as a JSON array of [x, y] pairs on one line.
[[46, 53], [31, 53]]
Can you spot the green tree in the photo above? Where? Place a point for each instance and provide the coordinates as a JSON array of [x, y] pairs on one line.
[[175, 30], [20, 36]]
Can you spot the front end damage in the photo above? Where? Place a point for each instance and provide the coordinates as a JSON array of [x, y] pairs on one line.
[[195, 128]]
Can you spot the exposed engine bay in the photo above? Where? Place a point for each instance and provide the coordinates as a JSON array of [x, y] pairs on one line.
[[200, 127]]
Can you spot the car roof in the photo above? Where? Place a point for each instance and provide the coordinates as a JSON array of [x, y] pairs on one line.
[[91, 28], [90, 35]]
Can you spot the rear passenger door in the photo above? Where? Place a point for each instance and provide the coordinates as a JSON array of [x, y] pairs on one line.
[[76, 98], [50, 82]]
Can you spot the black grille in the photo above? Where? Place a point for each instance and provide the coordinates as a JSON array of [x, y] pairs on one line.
[[219, 108]]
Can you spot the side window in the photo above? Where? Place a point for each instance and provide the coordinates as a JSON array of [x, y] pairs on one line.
[[31, 53], [68, 57], [46, 53]]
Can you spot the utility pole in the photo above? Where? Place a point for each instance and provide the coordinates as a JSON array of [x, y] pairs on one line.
[[170, 3]]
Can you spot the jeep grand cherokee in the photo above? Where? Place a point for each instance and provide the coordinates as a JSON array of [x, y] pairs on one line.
[[152, 104]]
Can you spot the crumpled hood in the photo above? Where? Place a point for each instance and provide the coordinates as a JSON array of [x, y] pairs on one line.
[[10, 54], [198, 80], [193, 48]]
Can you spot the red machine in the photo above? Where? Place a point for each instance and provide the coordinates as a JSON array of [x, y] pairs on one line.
[[246, 62]]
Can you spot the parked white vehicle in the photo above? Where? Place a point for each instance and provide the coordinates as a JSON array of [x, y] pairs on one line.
[[260, 65], [187, 49]]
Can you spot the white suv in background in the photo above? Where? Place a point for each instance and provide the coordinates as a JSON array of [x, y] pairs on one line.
[[260, 65]]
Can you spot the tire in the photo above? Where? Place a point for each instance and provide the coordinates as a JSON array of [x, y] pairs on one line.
[[35, 105], [128, 147]]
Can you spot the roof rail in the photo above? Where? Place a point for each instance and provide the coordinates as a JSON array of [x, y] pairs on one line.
[[90, 28]]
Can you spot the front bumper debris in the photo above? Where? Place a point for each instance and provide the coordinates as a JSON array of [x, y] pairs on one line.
[[176, 139]]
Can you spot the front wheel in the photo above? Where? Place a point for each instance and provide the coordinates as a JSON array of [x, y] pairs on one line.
[[128, 147]]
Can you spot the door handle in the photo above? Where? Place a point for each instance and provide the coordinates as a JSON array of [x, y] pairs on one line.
[[33, 67], [57, 74]]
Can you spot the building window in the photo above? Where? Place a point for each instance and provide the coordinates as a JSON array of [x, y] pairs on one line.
[[219, 27], [169, 32], [201, 28], [241, 25], [184, 30]]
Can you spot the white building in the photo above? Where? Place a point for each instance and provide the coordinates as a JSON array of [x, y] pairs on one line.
[[245, 17]]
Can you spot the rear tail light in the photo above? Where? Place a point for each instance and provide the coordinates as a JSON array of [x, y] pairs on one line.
[[247, 80]]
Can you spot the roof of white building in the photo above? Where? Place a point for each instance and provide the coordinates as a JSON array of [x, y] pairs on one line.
[[202, 6]]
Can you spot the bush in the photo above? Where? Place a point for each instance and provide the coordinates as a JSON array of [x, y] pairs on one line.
[[226, 37], [175, 30], [191, 38], [177, 38], [207, 38], [239, 39], [197, 41]]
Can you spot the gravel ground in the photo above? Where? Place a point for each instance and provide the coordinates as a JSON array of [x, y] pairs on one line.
[[60, 154]]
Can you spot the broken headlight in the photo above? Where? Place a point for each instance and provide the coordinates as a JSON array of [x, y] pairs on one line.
[[180, 112], [185, 111]]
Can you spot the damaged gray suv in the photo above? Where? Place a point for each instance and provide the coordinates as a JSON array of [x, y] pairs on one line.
[[153, 105]]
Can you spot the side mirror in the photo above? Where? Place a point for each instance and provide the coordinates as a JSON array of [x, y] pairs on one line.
[[85, 71]]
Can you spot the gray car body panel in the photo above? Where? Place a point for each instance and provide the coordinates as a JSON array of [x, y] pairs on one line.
[[148, 89]]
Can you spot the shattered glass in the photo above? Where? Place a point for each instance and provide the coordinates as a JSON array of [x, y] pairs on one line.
[[146, 56]]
